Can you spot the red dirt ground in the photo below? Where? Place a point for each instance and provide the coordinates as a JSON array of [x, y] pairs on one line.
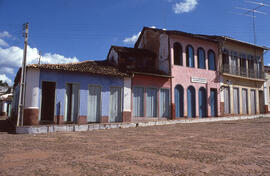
[[222, 148]]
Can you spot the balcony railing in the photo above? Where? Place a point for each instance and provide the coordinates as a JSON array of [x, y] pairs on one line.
[[242, 72]]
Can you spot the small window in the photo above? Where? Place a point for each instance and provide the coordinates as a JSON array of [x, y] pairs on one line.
[[190, 56], [177, 48], [211, 60], [201, 58]]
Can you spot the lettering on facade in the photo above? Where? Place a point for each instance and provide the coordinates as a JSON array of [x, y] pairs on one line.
[[198, 80]]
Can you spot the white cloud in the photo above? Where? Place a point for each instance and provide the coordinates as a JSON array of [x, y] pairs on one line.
[[3, 43], [12, 57], [185, 6], [4, 78], [7, 70], [4, 34], [134, 38]]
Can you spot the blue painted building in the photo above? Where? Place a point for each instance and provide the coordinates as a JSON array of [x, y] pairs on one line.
[[84, 92]]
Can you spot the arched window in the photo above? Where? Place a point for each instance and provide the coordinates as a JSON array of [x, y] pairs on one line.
[[177, 48], [190, 56], [201, 58], [211, 60]]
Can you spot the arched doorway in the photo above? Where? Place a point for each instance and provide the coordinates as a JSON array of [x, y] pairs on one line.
[[191, 101], [179, 101], [202, 102]]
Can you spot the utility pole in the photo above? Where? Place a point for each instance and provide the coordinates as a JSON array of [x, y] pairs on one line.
[[22, 81], [39, 57]]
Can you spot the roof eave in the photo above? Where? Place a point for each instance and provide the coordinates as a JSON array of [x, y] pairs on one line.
[[246, 43]]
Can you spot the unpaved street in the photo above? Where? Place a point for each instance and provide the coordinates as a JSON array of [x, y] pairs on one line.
[[223, 148]]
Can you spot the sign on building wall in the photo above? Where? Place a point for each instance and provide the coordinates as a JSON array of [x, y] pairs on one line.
[[198, 80]]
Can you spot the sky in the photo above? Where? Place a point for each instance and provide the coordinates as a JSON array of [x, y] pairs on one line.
[[77, 30]]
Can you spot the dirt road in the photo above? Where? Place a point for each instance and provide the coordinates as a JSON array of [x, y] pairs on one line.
[[222, 148]]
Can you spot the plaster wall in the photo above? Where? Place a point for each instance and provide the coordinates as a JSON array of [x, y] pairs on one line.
[[164, 53], [157, 43], [127, 94], [242, 83], [113, 56], [267, 91], [32, 88], [84, 80], [183, 74], [150, 81], [242, 48], [147, 81]]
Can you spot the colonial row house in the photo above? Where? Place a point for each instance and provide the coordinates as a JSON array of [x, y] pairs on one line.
[[84, 92], [192, 63], [167, 75]]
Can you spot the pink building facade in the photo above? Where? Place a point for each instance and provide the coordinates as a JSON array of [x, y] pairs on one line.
[[150, 97], [192, 62], [187, 76]]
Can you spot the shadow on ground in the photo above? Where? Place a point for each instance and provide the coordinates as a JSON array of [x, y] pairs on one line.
[[6, 126]]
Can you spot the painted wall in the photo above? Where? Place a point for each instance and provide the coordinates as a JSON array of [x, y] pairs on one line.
[[146, 81], [32, 88], [113, 56], [183, 74], [127, 95], [15, 100], [157, 43], [164, 53], [241, 82], [62, 78], [150, 81], [267, 91]]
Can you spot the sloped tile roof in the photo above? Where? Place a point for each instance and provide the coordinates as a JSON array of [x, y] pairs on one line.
[[92, 67]]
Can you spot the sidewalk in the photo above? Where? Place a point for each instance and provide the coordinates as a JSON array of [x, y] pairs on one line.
[[103, 126]]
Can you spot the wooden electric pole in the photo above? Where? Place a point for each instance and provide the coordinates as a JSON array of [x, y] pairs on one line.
[[22, 81], [39, 58]]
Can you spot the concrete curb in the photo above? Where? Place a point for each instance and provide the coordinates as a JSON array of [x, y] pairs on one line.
[[101, 126]]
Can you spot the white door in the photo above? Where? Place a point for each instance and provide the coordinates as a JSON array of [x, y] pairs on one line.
[[164, 103], [236, 100], [151, 102], [244, 101], [94, 95], [226, 100], [72, 102], [138, 102], [253, 101], [115, 105]]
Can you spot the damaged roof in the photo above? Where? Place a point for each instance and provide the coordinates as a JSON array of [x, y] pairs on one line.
[[133, 52], [93, 67], [213, 38]]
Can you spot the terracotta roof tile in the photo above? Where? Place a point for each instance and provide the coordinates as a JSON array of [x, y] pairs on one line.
[[92, 67]]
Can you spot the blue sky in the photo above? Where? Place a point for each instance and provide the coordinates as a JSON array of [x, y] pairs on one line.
[[72, 30]]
